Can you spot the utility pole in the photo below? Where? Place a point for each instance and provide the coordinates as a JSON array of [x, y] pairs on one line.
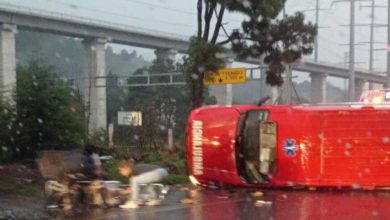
[[317, 23], [352, 52], [388, 43], [351, 87], [371, 61]]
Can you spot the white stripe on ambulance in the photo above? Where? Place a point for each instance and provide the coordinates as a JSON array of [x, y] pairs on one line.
[[197, 152]]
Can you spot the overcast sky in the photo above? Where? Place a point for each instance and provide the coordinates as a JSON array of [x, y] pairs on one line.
[[179, 17]]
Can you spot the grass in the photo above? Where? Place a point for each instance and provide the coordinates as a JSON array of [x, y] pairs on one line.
[[16, 190], [173, 161], [173, 179]]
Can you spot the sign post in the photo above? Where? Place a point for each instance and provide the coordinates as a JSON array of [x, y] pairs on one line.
[[226, 76]]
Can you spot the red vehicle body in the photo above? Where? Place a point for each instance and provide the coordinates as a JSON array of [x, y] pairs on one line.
[[290, 145]]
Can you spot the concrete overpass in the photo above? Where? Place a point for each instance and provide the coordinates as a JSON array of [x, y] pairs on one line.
[[97, 33]]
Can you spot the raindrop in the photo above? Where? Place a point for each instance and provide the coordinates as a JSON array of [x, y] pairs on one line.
[[17, 132], [356, 186], [35, 83], [162, 127], [73, 6], [347, 153], [17, 149], [101, 138], [58, 55], [386, 140], [67, 60], [269, 38], [40, 121], [290, 183], [93, 48], [9, 126], [284, 196], [194, 76], [40, 134], [201, 69], [72, 109], [219, 55], [348, 146], [109, 38], [20, 124], [136, 137], [5, 111], [367, 170], [4, 148], [72, 93], [374, 213]]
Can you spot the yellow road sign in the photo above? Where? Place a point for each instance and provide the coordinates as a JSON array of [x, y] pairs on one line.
[[225, 76]]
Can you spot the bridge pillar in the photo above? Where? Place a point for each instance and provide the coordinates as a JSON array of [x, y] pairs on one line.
[[318, 88], [360, 87], [287, 91], [223, 93], [95, 84], [7, 61]]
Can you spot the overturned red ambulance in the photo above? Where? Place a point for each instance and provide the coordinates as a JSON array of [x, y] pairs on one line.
[[343, 145]]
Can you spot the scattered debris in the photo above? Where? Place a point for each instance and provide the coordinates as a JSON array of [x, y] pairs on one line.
[[24, 180], [262, 203], [184, 189], [187, 201], [223, 197], [258, 194]]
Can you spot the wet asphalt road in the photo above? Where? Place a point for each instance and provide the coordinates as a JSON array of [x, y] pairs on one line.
[[242, 204]]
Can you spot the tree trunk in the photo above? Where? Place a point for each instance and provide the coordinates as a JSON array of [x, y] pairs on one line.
[[200, 18], [218, 24]]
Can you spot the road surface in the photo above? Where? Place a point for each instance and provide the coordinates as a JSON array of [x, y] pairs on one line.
[[236, 204]]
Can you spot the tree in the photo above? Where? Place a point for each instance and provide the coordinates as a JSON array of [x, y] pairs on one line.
[[162, 107], [276, 42], [49, 114]]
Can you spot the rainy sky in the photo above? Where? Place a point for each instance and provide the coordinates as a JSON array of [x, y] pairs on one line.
[[179, 17]]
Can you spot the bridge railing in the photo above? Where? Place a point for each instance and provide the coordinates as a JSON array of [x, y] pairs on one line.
[[11, 8]]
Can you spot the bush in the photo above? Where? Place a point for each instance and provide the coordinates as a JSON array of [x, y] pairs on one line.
[[48, 115]]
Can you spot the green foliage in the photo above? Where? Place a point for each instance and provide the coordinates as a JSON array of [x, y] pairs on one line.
[[49, 115], [266, 8], [111, 167], [202, 57], [98, 138], [174, 161], [7, 119], [18, 190], [173, 179], [277, 42], [162, 107]]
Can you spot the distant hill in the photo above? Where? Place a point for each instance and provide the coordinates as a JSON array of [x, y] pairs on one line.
[[65, 54]]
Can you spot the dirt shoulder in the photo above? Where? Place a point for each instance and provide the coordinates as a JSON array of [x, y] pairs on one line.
[[21, 193]]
